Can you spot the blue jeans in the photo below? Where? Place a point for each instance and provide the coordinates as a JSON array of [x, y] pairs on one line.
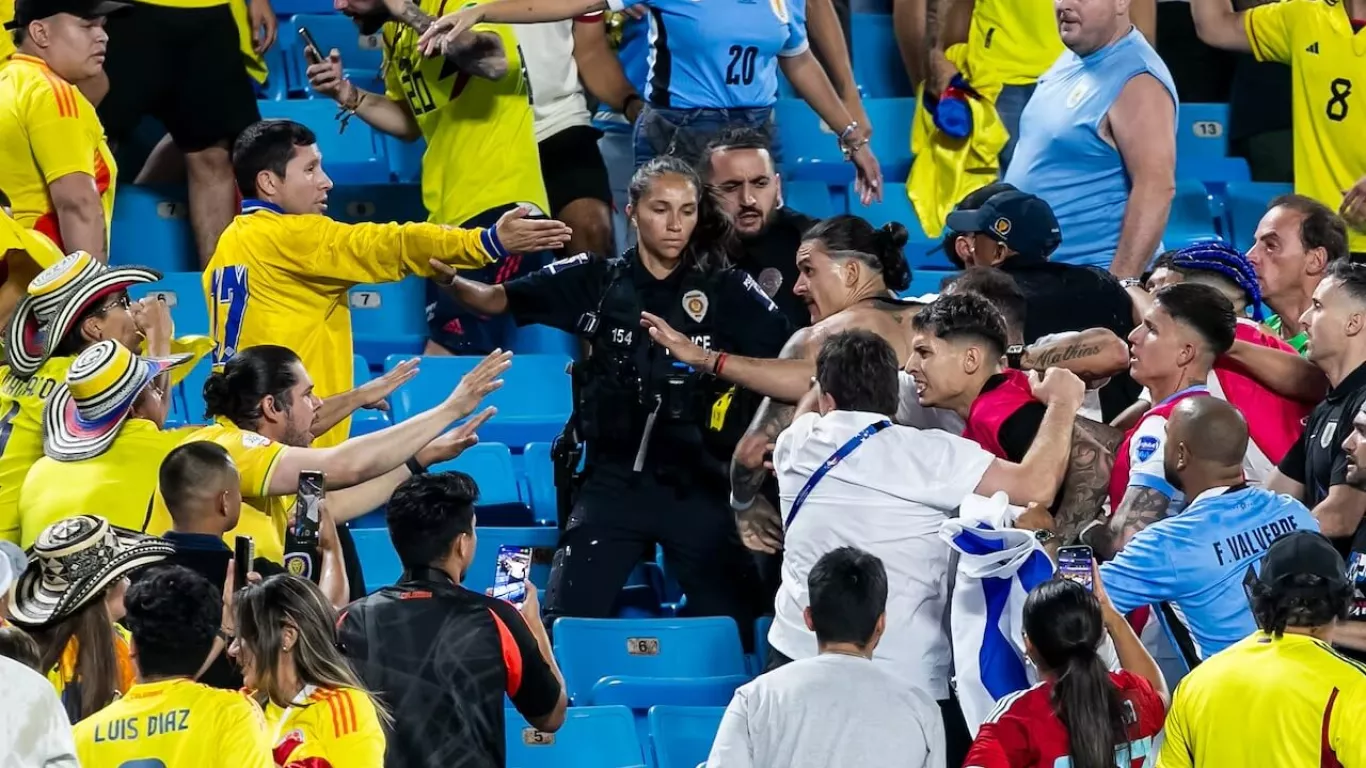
[[1010, 105], [684, 133]]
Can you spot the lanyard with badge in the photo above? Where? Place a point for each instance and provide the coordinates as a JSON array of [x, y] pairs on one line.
[[835, 458]]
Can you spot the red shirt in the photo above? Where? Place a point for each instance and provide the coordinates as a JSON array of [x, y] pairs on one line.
[[1023, 731]]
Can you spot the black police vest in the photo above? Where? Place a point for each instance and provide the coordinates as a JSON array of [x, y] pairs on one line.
[[627, 377]]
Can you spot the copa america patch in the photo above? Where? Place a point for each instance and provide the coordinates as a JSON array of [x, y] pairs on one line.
[[1147, 446]]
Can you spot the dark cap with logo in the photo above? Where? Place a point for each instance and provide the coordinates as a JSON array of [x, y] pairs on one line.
[[1303, 553], [27, 11], [1024, 222]]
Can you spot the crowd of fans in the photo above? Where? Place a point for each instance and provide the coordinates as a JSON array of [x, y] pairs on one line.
[[1094, 502]]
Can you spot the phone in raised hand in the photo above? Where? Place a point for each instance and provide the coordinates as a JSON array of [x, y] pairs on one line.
[[1076, 564], [513, 568], [301, 537], [243, 555], [312, 51]]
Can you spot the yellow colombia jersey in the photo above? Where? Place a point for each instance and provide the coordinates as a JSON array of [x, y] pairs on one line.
[[6, 40], [21, 434], [118, 484], [282, 279], [1012, 42], [1284, 702], [327, 728], [264, 517], [48, 129], [481, 144], [175, 723], [255, 64], [1328, 101]]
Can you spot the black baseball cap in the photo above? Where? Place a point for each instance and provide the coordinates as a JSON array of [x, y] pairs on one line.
[[27, 11], [1024, 222], [1303, 553]]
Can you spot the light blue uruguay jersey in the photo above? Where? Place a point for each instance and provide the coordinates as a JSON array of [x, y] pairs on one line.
[[719, 54], [1200, 559]]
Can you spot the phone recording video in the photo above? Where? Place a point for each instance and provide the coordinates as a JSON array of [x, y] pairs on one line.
[[513, 569], [312, 52], [308, 517], [1075, 564]]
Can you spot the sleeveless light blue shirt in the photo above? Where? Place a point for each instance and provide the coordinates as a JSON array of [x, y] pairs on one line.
[[1061, 156]]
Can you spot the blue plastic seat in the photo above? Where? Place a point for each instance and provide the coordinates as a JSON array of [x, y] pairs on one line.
[[276, 86], [761, 627], [1212, 169], [811, 149], [293, 7], [151, 228], [891, 120], [922, 250], [539, 339], [1192, 218], [878, 68], [480, 575], [378, 560], [365, 420], [641, 693], [380, 203], [591, 649], [1202, 130], [355, 156], [389, 319], [184, 293], [533, 404], [591, 737], [681, 737], [405, 159], [1246, 203], [490, 464], [540, 480], [812, 198]]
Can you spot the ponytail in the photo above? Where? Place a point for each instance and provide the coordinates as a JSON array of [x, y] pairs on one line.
[[1090, 707], [881, 248], [236, 392]]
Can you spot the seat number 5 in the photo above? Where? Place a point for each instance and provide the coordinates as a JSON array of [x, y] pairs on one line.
[[1340, 88]]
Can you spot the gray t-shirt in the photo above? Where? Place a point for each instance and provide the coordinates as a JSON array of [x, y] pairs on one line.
[[830, 710]]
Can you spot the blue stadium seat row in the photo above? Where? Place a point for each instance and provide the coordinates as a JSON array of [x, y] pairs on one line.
[[603, 737]]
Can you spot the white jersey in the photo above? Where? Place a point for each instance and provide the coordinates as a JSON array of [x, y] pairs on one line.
[[556, 96]]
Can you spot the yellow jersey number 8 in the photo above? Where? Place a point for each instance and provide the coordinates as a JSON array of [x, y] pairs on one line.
[[1340, 88]]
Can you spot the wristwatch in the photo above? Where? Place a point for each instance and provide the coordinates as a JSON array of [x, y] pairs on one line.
[[1131, 282], [1043, 537]]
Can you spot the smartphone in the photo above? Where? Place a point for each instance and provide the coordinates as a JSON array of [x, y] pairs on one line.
[[513, 569], [243, 555], [1075, 563], [301, 538], [312, 51]]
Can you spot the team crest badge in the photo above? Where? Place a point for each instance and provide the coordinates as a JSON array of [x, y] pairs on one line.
[[695, 304], [1074, 98], [1147, 446], [1001, 226], [1326, 437]]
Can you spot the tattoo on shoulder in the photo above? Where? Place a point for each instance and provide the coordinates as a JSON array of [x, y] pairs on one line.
[[1086, 483], [413, 16]]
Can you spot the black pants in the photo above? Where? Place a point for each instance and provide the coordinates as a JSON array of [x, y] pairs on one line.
[[617, 519], [957, 738]]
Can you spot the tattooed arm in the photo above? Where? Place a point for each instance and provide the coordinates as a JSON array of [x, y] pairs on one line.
[[477, 53], [1088, 477], [747, 470], [1140, 508], [409, 14]]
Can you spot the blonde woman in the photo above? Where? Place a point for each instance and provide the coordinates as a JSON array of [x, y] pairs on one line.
[[317, 710]]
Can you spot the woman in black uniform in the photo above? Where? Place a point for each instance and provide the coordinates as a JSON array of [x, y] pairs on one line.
[[656, 457]]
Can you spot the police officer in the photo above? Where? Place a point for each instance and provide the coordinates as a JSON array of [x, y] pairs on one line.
[[656, 460]]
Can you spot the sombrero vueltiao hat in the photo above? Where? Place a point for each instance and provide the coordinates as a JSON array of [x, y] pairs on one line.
[[56, 299], [84, 414], [73, 562]]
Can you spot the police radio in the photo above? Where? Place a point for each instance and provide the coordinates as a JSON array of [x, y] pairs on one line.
[[301, 537]]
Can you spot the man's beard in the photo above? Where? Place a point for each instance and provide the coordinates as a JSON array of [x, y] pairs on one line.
[[371, 23], [767, 222]]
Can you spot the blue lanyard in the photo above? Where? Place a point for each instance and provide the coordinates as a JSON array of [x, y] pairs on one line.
[[835, 458]]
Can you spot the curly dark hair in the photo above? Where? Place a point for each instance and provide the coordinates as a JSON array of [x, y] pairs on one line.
[[1299, 600], [174, 615], [955, 316], [428, 513]]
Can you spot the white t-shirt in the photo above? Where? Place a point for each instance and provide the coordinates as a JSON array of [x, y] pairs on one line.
[[888, 497], [831, 710], [35, 730], [556, 96]]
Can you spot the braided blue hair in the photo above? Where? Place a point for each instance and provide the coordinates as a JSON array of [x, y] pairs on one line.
[[1222, 259]]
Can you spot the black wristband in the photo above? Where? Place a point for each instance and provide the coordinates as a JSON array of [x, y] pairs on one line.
[[1015, 355], [415, 466]]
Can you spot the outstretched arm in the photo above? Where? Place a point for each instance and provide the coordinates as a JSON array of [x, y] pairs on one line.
[[1140, 508], [785, 379], [747, 470]]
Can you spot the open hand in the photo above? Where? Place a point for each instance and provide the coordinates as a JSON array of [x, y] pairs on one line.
[[478, 383], [761, 527], [443, 32], [868, 179], [375, 391], [262, 19], [455, 441], [520, 234], [681, 347]]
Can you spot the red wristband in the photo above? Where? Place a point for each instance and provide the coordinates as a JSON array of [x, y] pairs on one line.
[[720, 363]]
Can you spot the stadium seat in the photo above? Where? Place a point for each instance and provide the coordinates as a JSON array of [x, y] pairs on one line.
[[641, 693], [490, 464], [591, 649], [591, 737], [812, 198], [540, 479], [811, 151], [681, 737], [1191, 218], [359, 53], [405, 159], [389, 319], [151, 228], [892, 146], [877, 63], [293, 7], [541, 539], [761, 627], [533, 404], [183, 292], [353, 156], [1246, 203], [539, 339], [1202, 130], [379, 562], [365, 420], [276, 86], [1212, 169], [922, 250], [380, 203]]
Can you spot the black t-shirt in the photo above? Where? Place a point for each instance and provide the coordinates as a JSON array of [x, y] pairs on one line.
[[771, 259], [1317, 460], [1067, 297], [442, 657]]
